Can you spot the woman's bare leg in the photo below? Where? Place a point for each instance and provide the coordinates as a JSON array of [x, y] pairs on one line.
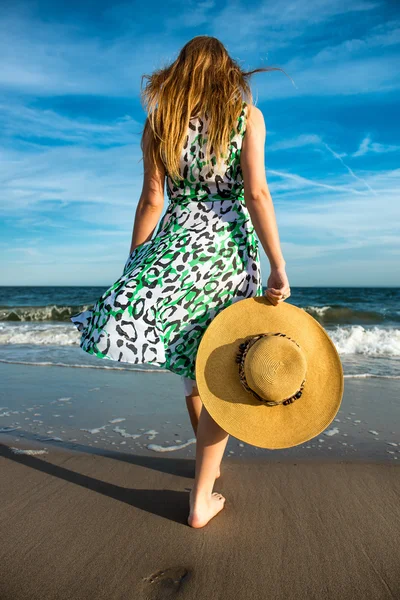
[[194, 406], [210, 447]]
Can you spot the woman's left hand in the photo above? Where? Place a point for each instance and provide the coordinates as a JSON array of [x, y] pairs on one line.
[[278, 288]]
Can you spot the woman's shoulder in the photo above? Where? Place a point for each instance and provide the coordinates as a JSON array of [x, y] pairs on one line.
[[253, 111], [254, 117]]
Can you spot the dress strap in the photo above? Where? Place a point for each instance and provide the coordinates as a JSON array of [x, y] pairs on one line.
[[243, 118]]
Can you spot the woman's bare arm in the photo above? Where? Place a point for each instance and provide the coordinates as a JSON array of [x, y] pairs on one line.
[[256, 193], [151, 202]]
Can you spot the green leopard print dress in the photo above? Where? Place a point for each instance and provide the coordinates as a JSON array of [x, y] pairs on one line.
[[203, 257]]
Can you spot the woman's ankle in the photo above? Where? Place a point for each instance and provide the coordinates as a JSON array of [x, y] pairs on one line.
[[201, 494]]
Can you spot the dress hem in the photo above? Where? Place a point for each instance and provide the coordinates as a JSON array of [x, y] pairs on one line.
[[89, 350]]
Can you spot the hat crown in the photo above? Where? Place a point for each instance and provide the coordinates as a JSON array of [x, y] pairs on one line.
[[275, 367]]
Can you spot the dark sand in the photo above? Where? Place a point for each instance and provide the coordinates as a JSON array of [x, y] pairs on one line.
[[82, 526]]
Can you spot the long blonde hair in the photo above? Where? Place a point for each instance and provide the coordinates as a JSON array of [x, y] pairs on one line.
[[203, 80]]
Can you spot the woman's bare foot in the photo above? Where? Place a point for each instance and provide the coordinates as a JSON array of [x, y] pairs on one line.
[[202, 511]]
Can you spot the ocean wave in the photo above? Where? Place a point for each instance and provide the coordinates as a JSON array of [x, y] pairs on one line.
[[328, 315], [38, 334], [41, 313], [369, 375], [340, 315], [353, 339], [374, 341]]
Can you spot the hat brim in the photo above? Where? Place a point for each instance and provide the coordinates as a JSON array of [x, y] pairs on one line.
[[236, 410]]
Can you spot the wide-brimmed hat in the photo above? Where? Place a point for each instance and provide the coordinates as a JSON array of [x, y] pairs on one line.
[[269, 374]]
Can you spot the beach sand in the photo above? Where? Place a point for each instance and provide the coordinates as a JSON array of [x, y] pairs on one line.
[[82, 526], [96, 469]]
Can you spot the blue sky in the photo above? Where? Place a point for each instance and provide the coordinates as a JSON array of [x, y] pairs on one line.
[[71, 120]]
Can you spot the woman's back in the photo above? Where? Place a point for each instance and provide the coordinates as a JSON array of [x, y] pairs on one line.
[[203, 257], [206, 180]]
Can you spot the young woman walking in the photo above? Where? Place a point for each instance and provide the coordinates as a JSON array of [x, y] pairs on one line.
[[206, 143]]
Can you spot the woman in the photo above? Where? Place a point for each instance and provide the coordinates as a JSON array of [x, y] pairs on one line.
[[207, 144]]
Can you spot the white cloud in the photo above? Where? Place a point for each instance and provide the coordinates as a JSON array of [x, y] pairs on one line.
[[354, 219], [19, 120], [274, 25], [298, 182], [367, 145], [49, 58], [382, 36], [303, 139], [86, 63], [192, 14], [56, 176], [350, 77]]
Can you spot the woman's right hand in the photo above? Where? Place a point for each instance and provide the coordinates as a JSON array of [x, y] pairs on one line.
[[278, 288]]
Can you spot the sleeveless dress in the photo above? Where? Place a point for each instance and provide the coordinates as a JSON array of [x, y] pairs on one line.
[[203, 257]]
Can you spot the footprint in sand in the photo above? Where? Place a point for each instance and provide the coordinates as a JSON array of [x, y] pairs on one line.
[[165, 583]]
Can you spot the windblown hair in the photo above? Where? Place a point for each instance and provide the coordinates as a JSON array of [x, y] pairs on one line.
[[203, 81]]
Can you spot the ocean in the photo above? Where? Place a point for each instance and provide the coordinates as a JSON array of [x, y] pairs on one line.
[[55, 393], [363, 323]]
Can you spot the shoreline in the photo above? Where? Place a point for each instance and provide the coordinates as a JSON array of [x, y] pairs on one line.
[[145, 414], [36, 448], [82, 526], [136, 369]]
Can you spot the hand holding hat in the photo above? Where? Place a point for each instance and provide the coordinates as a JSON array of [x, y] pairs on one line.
[[278, 288]]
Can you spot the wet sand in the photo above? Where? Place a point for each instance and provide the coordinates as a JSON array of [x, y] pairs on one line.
[[80, 525], [145, 414]]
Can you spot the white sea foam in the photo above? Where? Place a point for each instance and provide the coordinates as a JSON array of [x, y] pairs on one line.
[[157, 448], [331, 432], [151, 433], [118, 420], [373, 375], [348, 339], [123, 433], [39, 334], [95, 429], [30, 452], [374, 341], [7, 429], [318, 310]]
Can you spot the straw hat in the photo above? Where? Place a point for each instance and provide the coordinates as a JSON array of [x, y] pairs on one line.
[[269, 374]]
